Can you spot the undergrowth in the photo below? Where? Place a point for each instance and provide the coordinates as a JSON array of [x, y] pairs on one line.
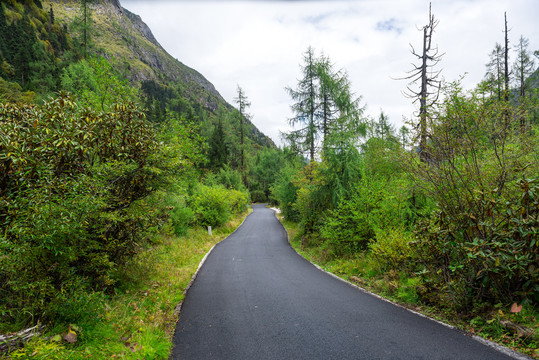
[[138, 320], [516, 330]]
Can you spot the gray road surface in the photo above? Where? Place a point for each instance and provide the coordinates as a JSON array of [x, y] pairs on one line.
[[255, 298]]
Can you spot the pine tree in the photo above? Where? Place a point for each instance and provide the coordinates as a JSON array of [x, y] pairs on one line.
[[404, 132], [82, 26], [243, 105], [305, 107], [217, 154], [506, 60], [51, 18], [384, 129], [523, 66], [494, 77], [327, 109]]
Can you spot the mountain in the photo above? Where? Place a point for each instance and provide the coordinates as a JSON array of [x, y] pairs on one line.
[[131, 46]]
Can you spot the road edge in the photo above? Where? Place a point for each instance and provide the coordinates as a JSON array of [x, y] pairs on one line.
[[509, 352]]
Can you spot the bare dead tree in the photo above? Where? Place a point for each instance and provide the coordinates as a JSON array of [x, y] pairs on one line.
[[506, 54], [427, 77]]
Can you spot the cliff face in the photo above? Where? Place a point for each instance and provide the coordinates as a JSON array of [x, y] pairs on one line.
[[134, 49]]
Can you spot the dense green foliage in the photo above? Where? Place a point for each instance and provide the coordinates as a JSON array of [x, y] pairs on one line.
[[93, 168], [94, 174], [32, 45], [71, 185], [461, 226]]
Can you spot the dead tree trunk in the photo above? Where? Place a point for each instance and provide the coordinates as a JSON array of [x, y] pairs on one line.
[[506, 58], [429, 89], [12, 342]]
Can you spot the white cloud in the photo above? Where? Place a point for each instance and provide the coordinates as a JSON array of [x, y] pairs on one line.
[[260, 44]]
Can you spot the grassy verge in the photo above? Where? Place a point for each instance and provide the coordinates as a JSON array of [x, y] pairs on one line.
[[138, 321], [497, 324]]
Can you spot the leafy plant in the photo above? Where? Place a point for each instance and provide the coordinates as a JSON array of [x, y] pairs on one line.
[[72, 186], [346, 229]]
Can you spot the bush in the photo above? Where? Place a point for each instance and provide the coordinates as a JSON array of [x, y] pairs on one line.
[[481, 244], [346, 229], [285, 192], [212, 206], [227, 177], [392, 248], [72, 184], [491, 260], [258, 196]]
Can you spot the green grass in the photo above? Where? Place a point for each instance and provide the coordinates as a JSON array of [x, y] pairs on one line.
[[401, 286], [138, 320]]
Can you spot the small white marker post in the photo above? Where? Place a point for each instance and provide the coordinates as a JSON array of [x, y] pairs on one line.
[[209, 230]]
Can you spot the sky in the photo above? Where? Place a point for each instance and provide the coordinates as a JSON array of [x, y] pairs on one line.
[[259, 45]]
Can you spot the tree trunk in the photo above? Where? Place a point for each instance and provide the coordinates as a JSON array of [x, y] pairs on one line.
[[10, 343], [506, 70]]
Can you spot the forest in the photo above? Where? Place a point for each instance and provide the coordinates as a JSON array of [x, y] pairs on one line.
[[98, 174]]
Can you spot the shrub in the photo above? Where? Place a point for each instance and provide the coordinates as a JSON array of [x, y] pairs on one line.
[[258, 196], [493, 259], [213, 205], [392, 247], [346, 229], [72, 184]]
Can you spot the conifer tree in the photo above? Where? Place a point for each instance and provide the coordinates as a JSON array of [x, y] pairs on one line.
[[495, 75], [217, 147], [243, 105], [523, 66], [403, 132], [305, 107], [384, 129], [327, 106], [506, 62], [82, 26]]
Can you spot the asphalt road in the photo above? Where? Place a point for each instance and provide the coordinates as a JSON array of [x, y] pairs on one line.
[[255, 298]]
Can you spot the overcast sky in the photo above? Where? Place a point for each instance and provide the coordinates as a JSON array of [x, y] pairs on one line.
[[259, 45]]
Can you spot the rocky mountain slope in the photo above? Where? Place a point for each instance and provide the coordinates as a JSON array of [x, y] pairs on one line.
[[134, 49], [132, 45]]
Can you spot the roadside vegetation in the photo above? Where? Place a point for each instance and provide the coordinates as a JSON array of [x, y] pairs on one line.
[[107, 188], [443, 215]]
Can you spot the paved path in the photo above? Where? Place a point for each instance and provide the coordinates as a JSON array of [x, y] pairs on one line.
[[255, 298]]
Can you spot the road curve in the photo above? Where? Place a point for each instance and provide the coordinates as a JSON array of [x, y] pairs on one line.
[[255, 298]]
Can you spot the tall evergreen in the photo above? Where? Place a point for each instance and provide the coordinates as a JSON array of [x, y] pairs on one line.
[[3, 34], [495, 74], [305, 107], [217, 154], [384, 129], [243, 105], [327, 109], [523, 66]]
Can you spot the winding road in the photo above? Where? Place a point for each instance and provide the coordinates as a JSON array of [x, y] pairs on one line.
[[256, 298]]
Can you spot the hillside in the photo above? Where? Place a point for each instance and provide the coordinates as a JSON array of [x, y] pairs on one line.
[[123, 36]]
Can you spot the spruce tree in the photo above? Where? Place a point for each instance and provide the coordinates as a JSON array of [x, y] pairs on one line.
[[243, 105], [217, 154], [495, 74], [305, 107], [523, 66]]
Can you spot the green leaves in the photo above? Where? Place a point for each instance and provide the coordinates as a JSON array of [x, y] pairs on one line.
[[213, 205], [72, 181]]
